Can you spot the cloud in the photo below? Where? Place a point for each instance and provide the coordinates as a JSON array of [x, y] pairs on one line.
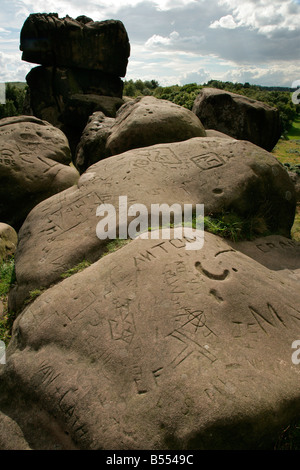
[[226, 22], [265, 16], [181, 39], [200, 77], [12, 69]]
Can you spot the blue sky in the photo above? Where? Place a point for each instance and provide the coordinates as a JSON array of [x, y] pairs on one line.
[[180, 41]]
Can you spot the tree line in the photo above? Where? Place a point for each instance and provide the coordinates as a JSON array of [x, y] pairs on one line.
[[183, 95]]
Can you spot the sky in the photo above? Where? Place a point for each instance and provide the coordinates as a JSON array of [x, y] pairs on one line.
[[180, 41]]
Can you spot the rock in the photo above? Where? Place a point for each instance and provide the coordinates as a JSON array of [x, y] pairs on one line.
[[92, 145], [156, 347], [148, 121], [238, 116], [49, 40], [8, 241], [214, 133], [67, 97], [34, 165], [274, 252], [295, 177], [223, 174]]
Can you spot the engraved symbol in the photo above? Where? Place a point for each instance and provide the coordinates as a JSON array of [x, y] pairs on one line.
[[216, 277], [208, 161], [122, 326]]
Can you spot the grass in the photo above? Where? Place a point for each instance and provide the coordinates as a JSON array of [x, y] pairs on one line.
[[294, 131], [7, 279], [295, 232], [76, 269]]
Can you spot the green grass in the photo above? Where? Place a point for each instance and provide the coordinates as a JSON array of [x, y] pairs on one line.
[[294, 131], [295, 232], [76, 269], [7, 279], [7, 276], [288, 151]]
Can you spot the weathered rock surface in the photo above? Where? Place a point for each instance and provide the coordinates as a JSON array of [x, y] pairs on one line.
[[223, 174], [295, 177], [274, 252], [92, 145], [148, 121], [67, 97], [8, 241], [34, 165], [238, 116], [156, 347], [49, 40]]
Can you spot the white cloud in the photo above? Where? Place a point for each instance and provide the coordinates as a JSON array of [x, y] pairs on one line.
[[176, 39], [200, 76], [226, 22], [265, 16], [157, 40]]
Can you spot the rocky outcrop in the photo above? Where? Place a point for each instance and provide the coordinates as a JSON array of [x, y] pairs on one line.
[[238, 116], [139, 123], [295, 177], [8, 241], [34, 164], [80, 43], [92, 145], [149, 121], [81, 65], [224, 174], [156, 347]]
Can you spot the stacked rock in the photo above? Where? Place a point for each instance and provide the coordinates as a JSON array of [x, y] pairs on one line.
[[81, 62]]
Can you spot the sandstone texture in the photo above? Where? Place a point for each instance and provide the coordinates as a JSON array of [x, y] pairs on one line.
[[223, 174], [156, 347], [92, 145], [8, 241], [34, 164], [149, 121], [295, 177], [49, 40], [238, 116]]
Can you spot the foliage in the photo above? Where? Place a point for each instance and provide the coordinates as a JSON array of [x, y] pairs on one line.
[[7, 276], [232, 226], [295, 232], [78, 268], [7, 279], [15, 96], [185, 95]]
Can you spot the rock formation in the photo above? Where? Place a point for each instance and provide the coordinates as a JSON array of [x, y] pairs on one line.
[[81, 61], [149, 121], [226, 174], [8, 241], [34, 164], [139, 123], [153, 346], [156, 347], [238, 116]]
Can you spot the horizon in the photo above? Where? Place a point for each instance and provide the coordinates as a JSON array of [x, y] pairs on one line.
[[180, 42]]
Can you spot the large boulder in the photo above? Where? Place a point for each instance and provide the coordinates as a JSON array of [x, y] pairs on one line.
[[156, 347], [223, 174], [238, 116], [148, 121], [49, 40], [34, 165], [92, 145], [8, 241]]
